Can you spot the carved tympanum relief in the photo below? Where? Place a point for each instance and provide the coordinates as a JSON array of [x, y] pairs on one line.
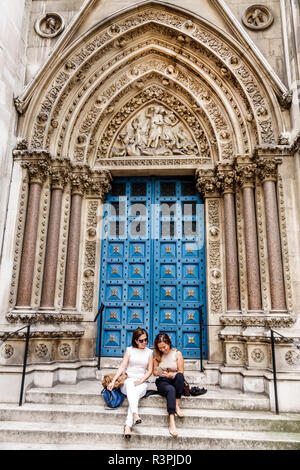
[[155, 131]]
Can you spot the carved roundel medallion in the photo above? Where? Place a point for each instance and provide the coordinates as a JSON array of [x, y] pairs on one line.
[[49, 25], [258, 17]]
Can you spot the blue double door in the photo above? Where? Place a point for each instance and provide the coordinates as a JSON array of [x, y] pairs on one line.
[[153, 264]]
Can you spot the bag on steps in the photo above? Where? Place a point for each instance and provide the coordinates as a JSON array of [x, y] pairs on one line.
[[195, 391], [114, 398], [186, 391]]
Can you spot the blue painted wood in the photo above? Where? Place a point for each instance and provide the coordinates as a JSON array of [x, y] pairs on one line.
[[153, 263]]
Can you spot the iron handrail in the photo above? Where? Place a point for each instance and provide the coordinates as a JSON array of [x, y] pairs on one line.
[[28, 326]]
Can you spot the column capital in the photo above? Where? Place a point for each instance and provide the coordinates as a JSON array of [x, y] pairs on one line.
[[79, 177], [226, 178], [246, 174], [59, 173], [267, 169], [206, 182], [100, 183], [37, 169]]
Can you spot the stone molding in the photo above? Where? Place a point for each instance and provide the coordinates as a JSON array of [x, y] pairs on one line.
[[83, 180]]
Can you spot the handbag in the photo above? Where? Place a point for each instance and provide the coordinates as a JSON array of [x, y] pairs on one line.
[[114, 398], [186, 390], [107, 379], [195, 391]]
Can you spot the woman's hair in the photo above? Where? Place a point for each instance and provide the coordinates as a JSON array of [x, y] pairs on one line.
[[161, 338], [136, 334]]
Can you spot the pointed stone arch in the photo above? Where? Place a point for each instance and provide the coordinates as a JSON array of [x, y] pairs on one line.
[[189, 42]]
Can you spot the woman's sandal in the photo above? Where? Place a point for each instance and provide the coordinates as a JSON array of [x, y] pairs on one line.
[[127, 436], [137, 421], [173, 433]]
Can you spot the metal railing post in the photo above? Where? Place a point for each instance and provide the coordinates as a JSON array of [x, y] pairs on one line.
[[274, 371], [24, 364], [101, 308], [201, 345]]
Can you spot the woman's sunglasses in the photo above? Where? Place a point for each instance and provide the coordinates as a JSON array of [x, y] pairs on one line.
[[143, 340]]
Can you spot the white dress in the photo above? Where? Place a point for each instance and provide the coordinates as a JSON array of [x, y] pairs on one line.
[[136, 370]]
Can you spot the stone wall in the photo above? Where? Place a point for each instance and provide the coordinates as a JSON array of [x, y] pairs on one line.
[[13, 27]]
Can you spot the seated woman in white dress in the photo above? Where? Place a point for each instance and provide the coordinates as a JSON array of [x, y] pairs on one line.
[[138, 365]]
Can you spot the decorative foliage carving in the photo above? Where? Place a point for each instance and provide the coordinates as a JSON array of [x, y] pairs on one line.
[[206, 182], [41, 350], [65, 350], [246, 175], [292, 357], [225, 178], [7, 351], [267, 169], [257, 355], [215, 293], [235, 353]]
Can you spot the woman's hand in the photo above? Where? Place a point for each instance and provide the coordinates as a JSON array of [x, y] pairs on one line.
[[138, 382], [167, 374], [111, 386]]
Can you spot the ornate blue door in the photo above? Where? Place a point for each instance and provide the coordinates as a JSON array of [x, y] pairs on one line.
[[153, 263]]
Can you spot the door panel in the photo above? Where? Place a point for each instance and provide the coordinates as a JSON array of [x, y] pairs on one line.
[[153, 263]]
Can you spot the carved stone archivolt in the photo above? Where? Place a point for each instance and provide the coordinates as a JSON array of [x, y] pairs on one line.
[[107, 69]]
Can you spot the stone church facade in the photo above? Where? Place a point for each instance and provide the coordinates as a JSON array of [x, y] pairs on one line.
[[94, 91]]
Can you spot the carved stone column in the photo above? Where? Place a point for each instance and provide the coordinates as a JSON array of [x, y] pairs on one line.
[[226, 183], [58, 180], [79, 181], [268, 175], [246, 177], [37, 172]]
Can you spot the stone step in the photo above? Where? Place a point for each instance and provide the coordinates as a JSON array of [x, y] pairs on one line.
[[88, 392], [152, 417], [154, 438]]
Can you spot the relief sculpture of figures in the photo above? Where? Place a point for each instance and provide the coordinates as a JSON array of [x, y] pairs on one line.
[[154, 131]]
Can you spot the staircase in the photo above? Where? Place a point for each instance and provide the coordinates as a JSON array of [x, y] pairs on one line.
[[75, 417]]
